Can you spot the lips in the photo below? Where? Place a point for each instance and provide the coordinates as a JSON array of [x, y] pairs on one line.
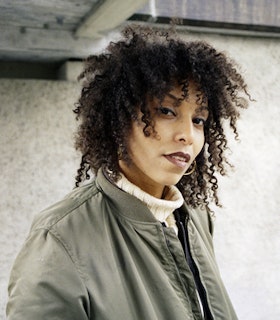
[[180, 159]]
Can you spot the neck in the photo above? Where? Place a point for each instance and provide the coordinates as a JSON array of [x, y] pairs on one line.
[[144, 184], [160, 207]]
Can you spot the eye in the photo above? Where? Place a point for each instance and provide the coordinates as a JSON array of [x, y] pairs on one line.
[[166, 111], [199, 121]]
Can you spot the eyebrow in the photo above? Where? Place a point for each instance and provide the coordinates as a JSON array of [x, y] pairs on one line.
[[202, 108], [170, 95]]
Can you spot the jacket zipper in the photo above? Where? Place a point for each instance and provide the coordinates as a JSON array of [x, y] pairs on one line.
[[178, 272], [177, 269], [200, 288]]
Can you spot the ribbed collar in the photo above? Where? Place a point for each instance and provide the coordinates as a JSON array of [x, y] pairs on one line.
[[125, 204], [129, 206], [162, 209]]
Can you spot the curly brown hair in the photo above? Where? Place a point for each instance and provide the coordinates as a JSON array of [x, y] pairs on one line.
[[148, 63]]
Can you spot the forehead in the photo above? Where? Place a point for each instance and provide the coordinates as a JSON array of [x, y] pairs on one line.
[[189, 91]]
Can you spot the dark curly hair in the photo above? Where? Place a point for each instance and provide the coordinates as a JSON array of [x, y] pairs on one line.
[[148, 63]]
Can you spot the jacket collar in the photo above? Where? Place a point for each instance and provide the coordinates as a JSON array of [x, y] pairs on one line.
[[126, 205]]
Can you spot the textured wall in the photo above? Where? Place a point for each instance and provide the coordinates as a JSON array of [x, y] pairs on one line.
[[37, 159], [38, 167]]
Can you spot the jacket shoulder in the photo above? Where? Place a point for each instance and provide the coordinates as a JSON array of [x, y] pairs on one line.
[[49, 217]]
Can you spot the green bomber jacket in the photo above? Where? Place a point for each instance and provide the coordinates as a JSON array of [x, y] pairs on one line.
[[100, 254]]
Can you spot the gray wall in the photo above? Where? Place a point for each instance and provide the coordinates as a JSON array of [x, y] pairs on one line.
[[38, 165]]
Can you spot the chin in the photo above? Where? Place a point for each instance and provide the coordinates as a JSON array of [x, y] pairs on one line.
[[173, 180]]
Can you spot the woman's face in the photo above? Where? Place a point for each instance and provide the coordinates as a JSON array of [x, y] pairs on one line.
[[162, 159]]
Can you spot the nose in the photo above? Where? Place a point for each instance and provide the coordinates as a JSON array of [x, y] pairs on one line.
[[184, 132]]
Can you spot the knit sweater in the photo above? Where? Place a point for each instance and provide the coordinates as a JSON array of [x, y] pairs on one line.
[[162, 209]]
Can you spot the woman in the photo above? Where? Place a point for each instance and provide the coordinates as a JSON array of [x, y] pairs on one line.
[[136, 242]]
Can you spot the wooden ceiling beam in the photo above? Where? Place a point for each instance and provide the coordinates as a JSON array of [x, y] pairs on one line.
[[107, 16], [42, 44]]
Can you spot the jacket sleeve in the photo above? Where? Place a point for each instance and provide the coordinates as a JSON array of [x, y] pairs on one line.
[[45, 283]]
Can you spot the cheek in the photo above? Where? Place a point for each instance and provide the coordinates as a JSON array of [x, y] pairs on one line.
[[136, 142]]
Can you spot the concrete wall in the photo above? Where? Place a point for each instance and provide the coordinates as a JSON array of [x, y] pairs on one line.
[[38, 166]]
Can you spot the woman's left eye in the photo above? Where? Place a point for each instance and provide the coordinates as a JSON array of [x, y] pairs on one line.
[[199, 121]]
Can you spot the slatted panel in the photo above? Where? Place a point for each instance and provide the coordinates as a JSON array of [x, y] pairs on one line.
[[51, 14], [252, 12], [43, 29]]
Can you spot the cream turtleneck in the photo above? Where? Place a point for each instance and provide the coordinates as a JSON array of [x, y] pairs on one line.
[[162, 209]]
